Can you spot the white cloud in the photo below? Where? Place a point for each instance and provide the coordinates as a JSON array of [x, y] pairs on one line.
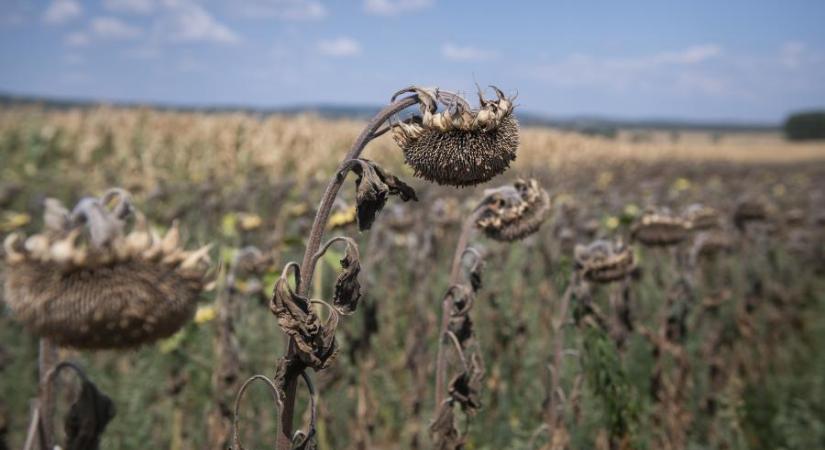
[[395, 7], [339, 47], [111, 28], [624, 72], [792, 55], [454, 52], [77, 39], [130, 6], [62, 11], [296, 10], [189, 22]]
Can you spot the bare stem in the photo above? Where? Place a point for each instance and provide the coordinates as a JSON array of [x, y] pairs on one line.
[[558, 356], [47, 361], [313, 244], [447, 306]]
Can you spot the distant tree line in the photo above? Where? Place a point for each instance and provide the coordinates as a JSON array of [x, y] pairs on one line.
[[805, 126]]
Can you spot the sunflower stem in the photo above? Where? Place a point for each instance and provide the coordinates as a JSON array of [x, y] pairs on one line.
[[296, 368], [467, 230]]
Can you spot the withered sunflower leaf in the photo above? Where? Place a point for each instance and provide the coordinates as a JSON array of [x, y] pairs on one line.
[[347, 291], [396, 186], [370, 195], [298, 321], [87, 418]]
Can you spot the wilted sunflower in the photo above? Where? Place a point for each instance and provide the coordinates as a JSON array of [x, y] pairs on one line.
[[85, 282], [511, 213], [459, 146], [658, 227], [604, 261], [701, 217], [750, 208]]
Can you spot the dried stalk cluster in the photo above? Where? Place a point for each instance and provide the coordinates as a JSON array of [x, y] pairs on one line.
[[86, 282]]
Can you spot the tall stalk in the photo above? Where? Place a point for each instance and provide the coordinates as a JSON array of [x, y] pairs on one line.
[[290, 381]]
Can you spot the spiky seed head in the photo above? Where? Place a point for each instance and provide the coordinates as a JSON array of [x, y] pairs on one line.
[[513, 212], [604, 261], [659, 227], [132, 288], [701, 217], [459, 146]]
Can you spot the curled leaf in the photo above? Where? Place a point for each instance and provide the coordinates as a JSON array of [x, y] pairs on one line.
[[87, 418], [466, 387], [347, 288], [443, 431], [372, 188], [315, 342]]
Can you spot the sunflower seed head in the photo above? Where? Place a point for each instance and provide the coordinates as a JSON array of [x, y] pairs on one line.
[[88, 284], [459, 146], [701, 217], [604, 261], [659, 227], [513, 212]]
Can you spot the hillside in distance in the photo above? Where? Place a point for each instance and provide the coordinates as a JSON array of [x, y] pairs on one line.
[[591, 124]]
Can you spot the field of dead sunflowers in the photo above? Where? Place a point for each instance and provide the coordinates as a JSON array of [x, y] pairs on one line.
[[653, 290]]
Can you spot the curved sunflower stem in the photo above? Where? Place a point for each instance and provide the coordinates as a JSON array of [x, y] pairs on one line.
[[290, 379], [467, 231]]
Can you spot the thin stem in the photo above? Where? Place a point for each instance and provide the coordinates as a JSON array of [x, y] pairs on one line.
[[324, 208], [447, 305], [313, 244], [47, 360], [558, 355]]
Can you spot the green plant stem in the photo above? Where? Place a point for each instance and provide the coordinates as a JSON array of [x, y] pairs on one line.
[[290, 382]]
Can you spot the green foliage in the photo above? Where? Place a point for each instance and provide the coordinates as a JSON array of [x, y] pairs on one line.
[[805, 126]]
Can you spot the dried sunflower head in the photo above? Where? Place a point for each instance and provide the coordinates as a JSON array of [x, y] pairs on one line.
[[604, 261], [701, 217], [86, 282], [750, 208], [459, 146], [513, 212], [658, 227]]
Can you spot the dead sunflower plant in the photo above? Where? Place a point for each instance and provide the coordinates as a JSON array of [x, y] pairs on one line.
[[508, 213], [449, 143]]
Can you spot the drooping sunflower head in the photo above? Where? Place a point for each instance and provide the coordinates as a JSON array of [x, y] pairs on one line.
[[460, 145], [86, 281], [604, 261], [659, 228], [701, 217], [513, 212]]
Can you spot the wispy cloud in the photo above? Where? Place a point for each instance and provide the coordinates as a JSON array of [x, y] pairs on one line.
[[62, 11], [625, 72], [111, 28], [395, 7], [185, 21], [131, 6], [339, 47], [291, 10], [454, 52], [77, 39]]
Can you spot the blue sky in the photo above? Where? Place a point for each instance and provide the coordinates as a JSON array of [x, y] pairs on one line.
[[699, 59]]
